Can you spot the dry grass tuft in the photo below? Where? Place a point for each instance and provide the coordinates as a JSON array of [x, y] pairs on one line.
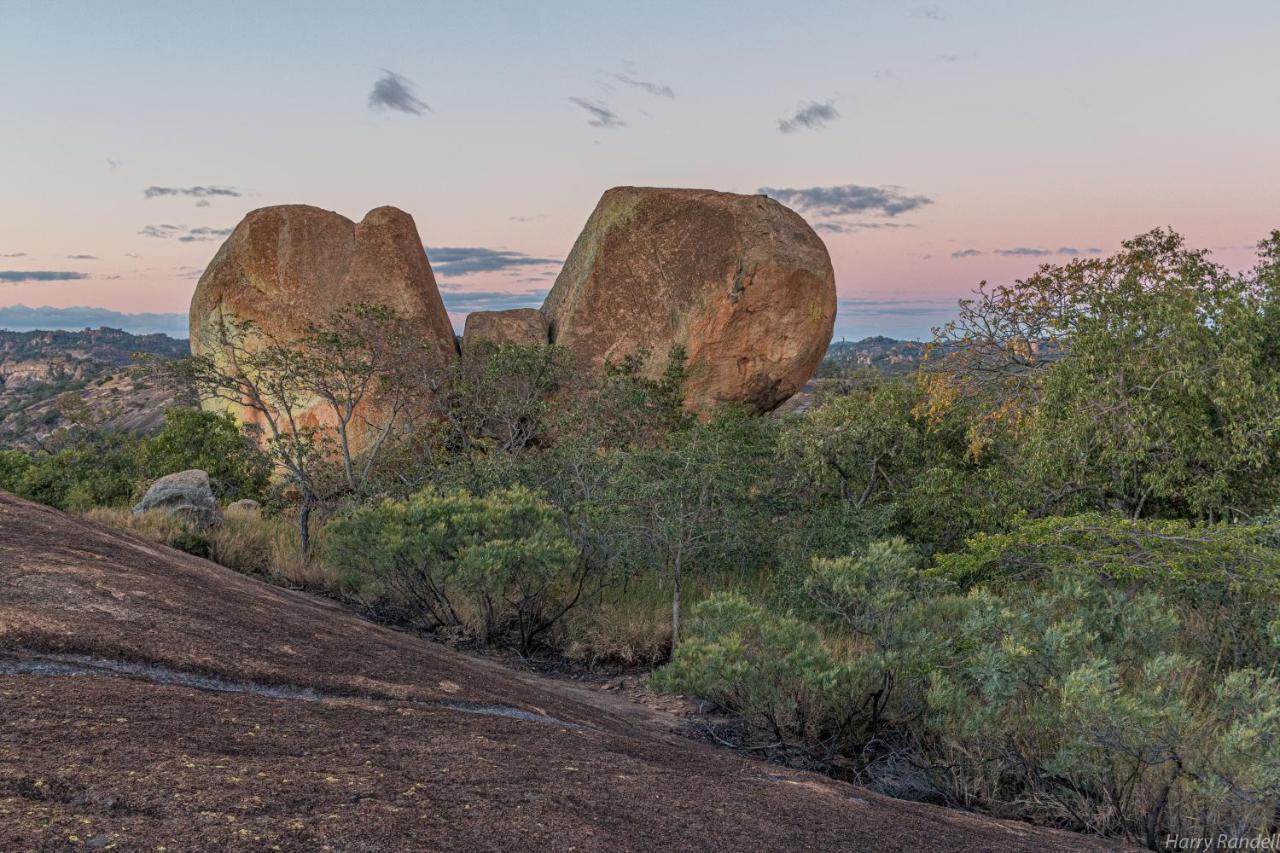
[[246, 542]]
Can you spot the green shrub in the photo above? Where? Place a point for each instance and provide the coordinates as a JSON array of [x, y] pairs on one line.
[[505, 555], [213, 442], [763, 666], [1109, 701], [14, 465], [95, 471]]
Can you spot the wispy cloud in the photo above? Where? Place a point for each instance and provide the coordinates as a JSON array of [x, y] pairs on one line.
[[1024, 251], [896, 307], [184, 234], [1073, 252], [966, 253], [194, 192], [16, 276], [838, 227], [467, 260], [810, 116], [391, 91], [929, 11], [14, 255], [602, 115], [20, 318], [848, 199], [529, 218], [82, 257], [657, 89]]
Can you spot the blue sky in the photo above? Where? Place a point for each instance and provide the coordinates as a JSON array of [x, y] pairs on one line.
[[1026, 128]]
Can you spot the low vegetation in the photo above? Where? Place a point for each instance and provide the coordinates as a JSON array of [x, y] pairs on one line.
[[1037, 576]]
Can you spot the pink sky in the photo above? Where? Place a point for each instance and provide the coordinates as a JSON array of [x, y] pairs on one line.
[[1029, 126]]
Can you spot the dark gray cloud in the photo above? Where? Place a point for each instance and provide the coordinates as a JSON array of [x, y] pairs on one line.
[[966, 253], [602, 116], [466, 260], [811, 116], [848, 199], [82, 257], [183, 234], [650, 87], [394, 92], [15, 276], [1071, 251], [193, 192], [1024, 252], [200, 235], [838, 227], [458, 300], [20, 318]]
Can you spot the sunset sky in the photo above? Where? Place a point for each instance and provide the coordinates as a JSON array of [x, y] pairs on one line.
[[933, 145]]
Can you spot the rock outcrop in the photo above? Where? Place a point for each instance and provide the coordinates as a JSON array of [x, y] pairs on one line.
[[186, 493], [245, 506], [288, 266], [525, 326], [741, 282]]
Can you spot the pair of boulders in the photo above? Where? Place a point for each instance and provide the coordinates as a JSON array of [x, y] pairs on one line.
[[742, 283], [189, 495]]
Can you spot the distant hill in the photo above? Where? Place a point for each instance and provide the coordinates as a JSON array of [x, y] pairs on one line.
[[21, 318], [887, 354], [93, 364]]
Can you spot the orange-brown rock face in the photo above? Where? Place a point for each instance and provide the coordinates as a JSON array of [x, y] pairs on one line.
[[741, 282], [288, 266], [525, 326]]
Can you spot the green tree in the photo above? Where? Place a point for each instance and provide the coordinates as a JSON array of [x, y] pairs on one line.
[[695, 497], [213, 442], [1145, 382]]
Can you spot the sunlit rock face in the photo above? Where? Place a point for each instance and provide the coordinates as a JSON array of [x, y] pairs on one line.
[[288, 266], [741, 282], [523, 326]]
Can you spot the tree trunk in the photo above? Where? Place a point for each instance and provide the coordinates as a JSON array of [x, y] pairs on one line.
[[675, 607], [304, 528]]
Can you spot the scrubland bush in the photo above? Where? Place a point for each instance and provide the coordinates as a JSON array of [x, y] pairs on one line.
[[1101, 699], [505, 554]]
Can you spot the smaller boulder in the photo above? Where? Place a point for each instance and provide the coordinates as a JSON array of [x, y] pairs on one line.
[[525, 326], [186, 493], [247, 506]]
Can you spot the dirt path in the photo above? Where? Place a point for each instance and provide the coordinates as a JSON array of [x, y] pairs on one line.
[[149, 699]]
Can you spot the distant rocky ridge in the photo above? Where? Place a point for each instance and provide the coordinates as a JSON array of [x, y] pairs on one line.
[[93, 364]]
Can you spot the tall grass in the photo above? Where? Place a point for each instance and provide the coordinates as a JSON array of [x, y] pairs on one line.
[[245, 541]]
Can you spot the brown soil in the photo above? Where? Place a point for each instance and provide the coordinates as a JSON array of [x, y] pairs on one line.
[[152, 700]]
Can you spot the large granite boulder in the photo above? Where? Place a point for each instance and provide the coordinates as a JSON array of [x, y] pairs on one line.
[[186, 493], [288, 266], [741, 282], [524, 326]]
